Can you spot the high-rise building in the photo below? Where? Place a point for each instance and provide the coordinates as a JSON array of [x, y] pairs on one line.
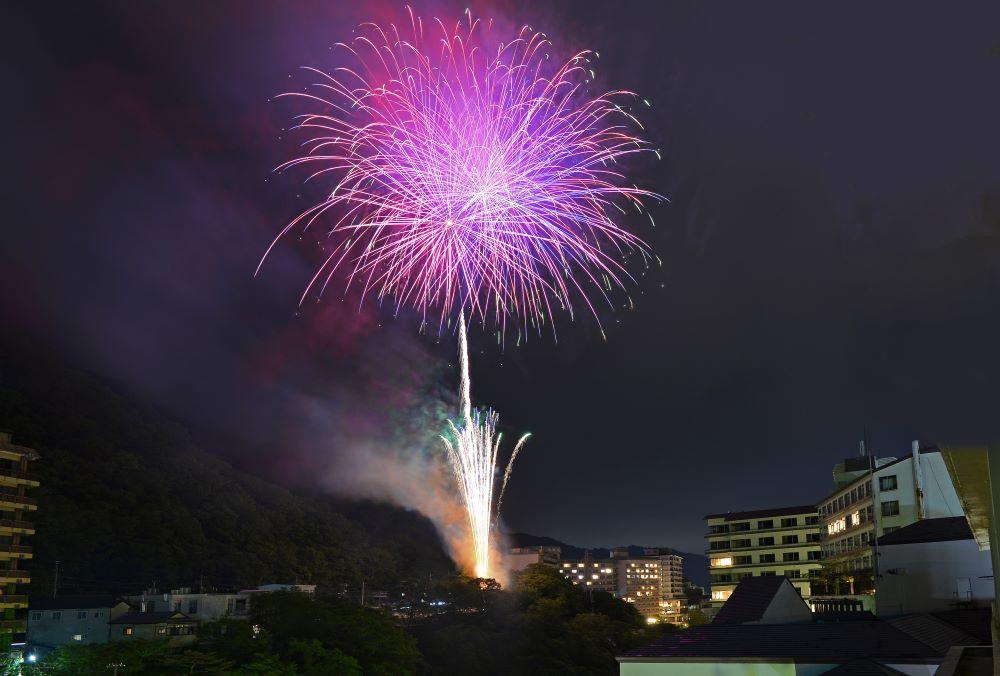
[[653, 581], [873, 497], [778, 541], [14, 527]]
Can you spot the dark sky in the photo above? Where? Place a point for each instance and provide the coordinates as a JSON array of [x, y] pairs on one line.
[[831, 250]]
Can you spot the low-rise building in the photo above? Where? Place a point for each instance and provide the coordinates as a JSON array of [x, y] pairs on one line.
[[177, 628], [779, 541], [204, 607], [519, 558], [69, 620]]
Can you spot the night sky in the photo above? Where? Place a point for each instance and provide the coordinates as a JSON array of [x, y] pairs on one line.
[[831, 251]]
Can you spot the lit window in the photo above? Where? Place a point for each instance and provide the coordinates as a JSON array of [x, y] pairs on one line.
[[128, 631], [721, 595], [77, 637], [724, 561]]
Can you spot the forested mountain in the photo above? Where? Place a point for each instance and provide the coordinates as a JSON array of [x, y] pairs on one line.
[[129, 499]]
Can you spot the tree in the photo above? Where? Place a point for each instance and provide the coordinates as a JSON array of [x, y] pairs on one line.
[[697, 618], [130, 657], [200, 662], [315, 660]]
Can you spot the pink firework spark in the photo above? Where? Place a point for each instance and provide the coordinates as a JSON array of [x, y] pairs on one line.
[[470, 175]]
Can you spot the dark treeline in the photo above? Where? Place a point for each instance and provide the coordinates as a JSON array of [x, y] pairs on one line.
[[128, 498]]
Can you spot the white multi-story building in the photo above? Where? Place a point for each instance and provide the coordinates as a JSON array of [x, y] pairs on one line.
[[763, 542], [874, 497]]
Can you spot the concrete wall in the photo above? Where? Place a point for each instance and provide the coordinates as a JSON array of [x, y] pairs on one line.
[[932, 570]]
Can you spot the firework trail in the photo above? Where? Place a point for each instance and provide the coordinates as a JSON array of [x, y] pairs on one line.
[[470, 176]]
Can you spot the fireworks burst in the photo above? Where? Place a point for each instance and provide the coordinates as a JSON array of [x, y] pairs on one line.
[[470, 176]]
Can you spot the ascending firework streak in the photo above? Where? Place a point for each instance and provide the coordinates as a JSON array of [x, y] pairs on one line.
[[473, 455], [470, 177]]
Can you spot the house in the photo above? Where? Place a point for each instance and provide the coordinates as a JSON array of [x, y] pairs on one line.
[[72, 619], [764, 600], [933, 565], [204, 607], [177, 628]]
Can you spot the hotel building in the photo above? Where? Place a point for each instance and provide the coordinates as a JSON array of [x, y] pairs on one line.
[[778, 541], [14, 527]]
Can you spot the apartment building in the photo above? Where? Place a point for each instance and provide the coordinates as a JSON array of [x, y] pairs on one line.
[[592, 574], [15, 505], [873, 497], [763, 542]]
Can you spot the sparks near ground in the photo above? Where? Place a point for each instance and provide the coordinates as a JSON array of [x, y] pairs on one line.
[[471, 176]]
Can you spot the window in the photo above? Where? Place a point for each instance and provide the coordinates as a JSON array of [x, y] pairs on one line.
[[764, 525], [767, 558], [743, 560], [854, 495], [813, 537], [887, 483], [177, 606], [720, 528], [99, 613], [792, 573], [193, 605], [889, 529], [78, 637], [57, 615], [36, 616], [765, 542], [790, 556], [815, 555], [767, 573], [812, 520], [719, 544], [741, 526], [890, 508], [789, 522], [741, 543], [721, 595], [128, 631], [789, 539], [722, 563], [81, 614]]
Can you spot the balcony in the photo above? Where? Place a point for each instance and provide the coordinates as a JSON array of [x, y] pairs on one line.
[[15, 552], [10, 502], [16, 478], [14, 576], [17, 526], [13, 601]]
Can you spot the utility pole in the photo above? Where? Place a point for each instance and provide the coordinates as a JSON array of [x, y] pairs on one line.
[[55, 581]]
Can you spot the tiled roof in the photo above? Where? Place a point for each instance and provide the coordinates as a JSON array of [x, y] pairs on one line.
[[152, 618], [749, 600], [835, 643], [758, 513], [929, 530], [974, 622], [74, 603], [933, 632]]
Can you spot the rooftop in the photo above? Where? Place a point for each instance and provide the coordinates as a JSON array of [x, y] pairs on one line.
[[922, 638], [152, 618], [758, 513], [75, 602], [929, 530], [835, 643], [749, 600]]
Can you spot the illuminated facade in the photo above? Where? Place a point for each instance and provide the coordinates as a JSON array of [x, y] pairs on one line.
[[873, 497], [779, 541], [14, 527], [653, 581]]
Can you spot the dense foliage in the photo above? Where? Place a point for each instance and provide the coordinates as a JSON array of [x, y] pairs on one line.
[[129, 499], [543, 625]]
